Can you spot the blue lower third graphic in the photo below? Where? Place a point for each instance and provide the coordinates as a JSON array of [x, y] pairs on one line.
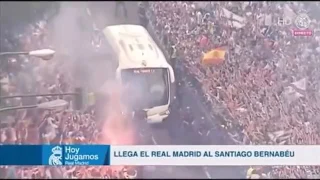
[[20, 155], [78, 155], [55, 155]]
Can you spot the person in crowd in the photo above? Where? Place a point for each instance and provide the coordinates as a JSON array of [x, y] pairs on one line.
[[121, 5], [142, 15]]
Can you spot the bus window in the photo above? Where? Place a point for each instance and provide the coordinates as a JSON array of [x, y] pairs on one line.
[[122, 45], [130, 46], [150, 47], [140, 46]]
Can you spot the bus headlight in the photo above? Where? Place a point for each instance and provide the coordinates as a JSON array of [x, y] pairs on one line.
[[167, 112]]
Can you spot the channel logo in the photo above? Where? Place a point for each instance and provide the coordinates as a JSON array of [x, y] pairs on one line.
[[302, 22]]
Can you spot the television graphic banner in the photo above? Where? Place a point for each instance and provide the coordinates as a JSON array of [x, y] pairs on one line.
[[173, 155]]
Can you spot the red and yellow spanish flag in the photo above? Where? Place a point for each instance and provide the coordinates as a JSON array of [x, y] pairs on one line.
[[214, 57]]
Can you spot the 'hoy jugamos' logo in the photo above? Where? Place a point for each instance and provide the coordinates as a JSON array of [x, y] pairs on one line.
[[302, 22]]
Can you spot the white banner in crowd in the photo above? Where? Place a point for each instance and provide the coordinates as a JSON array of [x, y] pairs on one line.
[[234, 19]]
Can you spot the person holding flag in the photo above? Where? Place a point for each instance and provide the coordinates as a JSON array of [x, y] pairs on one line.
[[173, 56], [214, 57]]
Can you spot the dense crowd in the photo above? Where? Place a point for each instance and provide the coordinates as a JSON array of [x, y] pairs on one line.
[[29, 75], [267, 88]]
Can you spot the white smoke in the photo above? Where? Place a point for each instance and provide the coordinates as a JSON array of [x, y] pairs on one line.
[[71, 33]]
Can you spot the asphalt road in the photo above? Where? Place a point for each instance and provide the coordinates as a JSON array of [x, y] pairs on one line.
[[173, 131]]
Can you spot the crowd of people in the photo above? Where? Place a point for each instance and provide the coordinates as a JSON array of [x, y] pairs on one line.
[[267, 88], [29, 75]]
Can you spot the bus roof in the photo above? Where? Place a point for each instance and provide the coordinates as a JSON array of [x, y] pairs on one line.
[[135, 47]]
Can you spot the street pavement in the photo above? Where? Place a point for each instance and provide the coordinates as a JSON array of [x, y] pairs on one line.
[[174, 131]]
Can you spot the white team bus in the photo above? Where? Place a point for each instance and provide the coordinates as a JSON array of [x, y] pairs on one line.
[[143, 69]]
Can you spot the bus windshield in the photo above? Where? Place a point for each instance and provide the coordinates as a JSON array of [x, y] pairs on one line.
[[145, 88]]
